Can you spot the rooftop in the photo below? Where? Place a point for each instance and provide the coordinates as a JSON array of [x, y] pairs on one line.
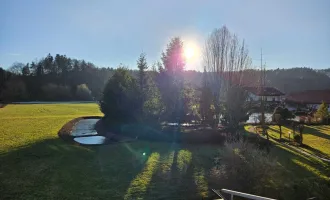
[[310, 97], [266, 91]]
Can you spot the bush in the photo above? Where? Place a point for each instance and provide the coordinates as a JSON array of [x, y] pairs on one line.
[[305, 189], [201, 137], [297, 138], [83, 93], [283, 112], [145, 132], [155, 133], [56, 92], [241, 166], [120, 101]]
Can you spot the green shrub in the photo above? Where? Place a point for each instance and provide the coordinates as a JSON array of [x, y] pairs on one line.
[[297, 138], [83, 93], [145, 132], [241, 166], [155, 133], [120, 101], [201, 137], [305, 188]]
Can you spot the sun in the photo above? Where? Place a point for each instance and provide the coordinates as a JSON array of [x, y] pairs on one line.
[[189, 52]]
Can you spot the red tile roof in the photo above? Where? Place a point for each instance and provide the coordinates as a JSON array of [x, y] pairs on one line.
[[310, 97], [250, 80]]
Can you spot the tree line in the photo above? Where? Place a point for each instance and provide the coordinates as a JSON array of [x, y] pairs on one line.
[[53, 78], [163, 90], [163, 94]]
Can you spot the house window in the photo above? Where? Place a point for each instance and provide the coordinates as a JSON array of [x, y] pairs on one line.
[[273, 98]]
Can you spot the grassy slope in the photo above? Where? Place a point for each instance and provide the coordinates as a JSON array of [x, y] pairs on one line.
[[36, 164], [317, 137], [296, 166]]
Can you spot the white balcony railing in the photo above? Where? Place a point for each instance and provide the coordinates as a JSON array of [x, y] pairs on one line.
[[240, 194]]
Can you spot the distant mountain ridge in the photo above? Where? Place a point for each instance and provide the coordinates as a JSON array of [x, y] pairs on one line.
[[286, 80]]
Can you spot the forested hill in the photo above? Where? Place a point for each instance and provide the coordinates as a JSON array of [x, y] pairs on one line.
[[63, 78], [286, 80], [298, 79]]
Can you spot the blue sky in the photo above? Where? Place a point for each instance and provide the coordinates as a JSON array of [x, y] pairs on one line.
[[292, 33]]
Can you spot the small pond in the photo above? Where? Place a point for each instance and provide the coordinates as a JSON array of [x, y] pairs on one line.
[[91, 140], [84, 127], [84, 133]]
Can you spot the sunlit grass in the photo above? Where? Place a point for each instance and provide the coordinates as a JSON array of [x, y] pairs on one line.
[[22, 125], [36, 164], [201, 182], [311, 169], [139, 185], [184, 159], [20, 111], [317, 137]]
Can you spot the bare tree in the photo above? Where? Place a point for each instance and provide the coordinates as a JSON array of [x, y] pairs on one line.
[[16, 68], [226, 58]]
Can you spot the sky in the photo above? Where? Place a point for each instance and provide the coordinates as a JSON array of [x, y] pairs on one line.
[[294, 33]]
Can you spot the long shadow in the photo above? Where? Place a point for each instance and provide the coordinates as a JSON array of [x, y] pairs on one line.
[[316, 151], [54, 169], [182, 179], [297, 169], [275, 130], [316, 132], [321, 128]]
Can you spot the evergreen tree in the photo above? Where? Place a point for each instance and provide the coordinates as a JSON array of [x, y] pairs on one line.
[[153, 105], [173, 59], [49, 65], [206, 100], [323, 112], [171, 80], [142, 66], [26, 70], [120, 99]]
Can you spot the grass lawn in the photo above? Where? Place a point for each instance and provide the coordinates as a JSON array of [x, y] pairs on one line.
[[36, 164], [316, 137]]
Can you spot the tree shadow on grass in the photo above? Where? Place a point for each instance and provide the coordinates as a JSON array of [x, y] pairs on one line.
[[315, 132], [322, 129], [301, 177], [315, 151], [182, 173], [53, 169], [275, 130]]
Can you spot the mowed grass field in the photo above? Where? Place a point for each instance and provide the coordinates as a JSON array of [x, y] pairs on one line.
[[23, 124], [36, 164]]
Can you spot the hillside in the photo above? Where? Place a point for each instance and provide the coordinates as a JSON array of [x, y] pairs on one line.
[[286, 80]]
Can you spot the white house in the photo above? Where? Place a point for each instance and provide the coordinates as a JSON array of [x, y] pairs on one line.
[[270, 94]]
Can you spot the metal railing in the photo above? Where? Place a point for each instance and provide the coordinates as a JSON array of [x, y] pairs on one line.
[[240, 194]]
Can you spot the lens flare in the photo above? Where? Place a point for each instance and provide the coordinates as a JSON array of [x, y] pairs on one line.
[[189, 52]]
